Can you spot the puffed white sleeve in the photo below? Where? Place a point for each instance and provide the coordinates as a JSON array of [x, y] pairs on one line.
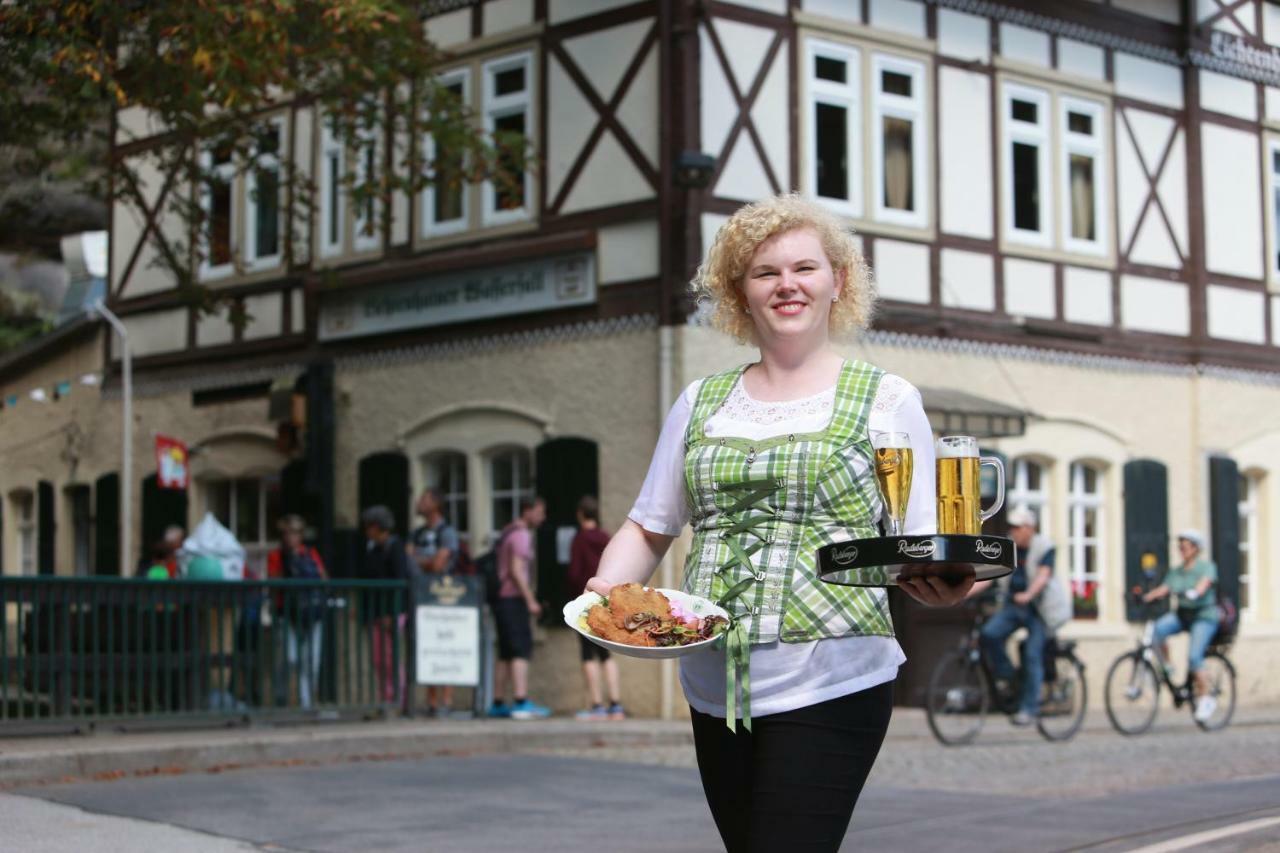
[[663, 506], [898, 407]]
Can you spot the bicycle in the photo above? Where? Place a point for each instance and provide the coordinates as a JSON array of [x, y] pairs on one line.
[[1132, 692], [962, 689]]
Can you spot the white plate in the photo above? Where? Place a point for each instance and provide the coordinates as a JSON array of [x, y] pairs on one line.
[[694, 604]]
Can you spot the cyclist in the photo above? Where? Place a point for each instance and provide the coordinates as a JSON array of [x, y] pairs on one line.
[[1197, 611], [1020, 597]]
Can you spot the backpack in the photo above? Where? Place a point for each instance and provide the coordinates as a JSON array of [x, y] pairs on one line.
[[486, 567]]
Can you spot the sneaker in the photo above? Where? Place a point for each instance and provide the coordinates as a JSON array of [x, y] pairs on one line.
[[499, 709], [596, 712], [1022, 718], [526, 710], [1205, 706], [616, 712]]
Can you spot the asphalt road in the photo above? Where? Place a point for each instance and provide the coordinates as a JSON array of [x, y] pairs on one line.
[[556, 803]]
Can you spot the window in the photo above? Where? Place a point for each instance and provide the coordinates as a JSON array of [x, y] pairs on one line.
[[1026, 183], [899, 140], [1084, 540], [262, 200], [24, 514], [248, 506], [368, 234], [506, 108], [78, 498], [444, 204], [447, 471], [1275, 208], [835, 169], [1030, 490], [510, 479], [1249, 550], [1083, 222], [333, 203], [219, 212]]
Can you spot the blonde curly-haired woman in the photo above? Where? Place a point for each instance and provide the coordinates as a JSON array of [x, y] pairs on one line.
[[767, 462]]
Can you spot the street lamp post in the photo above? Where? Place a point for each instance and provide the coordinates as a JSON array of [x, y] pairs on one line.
[[126, 462]]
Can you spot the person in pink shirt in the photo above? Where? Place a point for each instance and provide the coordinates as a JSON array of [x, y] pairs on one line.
[[512, 613]]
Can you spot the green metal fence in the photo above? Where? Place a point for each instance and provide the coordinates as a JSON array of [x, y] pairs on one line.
[[78, 652]]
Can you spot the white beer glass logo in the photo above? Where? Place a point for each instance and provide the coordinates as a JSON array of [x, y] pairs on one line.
[[917, 550], [844, 556], [990, 550]]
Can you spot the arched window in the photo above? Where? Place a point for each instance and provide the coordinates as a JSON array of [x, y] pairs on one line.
[[510, 479], [447, 472], [1250, 559], [1085, 537], [1030, 489], [247, 506]]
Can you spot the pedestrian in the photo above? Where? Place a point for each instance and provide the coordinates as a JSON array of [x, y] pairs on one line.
[[386, 558], [434, 547], [300, 622], [515, 607], [1192, 582], [584, 558], [767, 462], [163, 553], [1024, 598], [157, 567]]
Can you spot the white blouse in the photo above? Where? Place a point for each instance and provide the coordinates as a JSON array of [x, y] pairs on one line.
[[786, 676]]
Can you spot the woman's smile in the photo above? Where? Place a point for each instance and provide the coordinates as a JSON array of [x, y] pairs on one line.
[[789, 307]]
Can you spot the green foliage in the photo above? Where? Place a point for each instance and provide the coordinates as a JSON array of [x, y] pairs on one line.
[[19, 322]]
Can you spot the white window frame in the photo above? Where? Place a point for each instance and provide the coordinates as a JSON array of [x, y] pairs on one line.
[[252, 259], [361, 241], [431, 465], [333, 196], [848, 96], [23, 503], [430, 227], [494, 107], [1040, 135], [1022, 495], [267, 536], [223, 172], [1273, 263], [884, 105], [1093, 145], [519, 490], [1250, 486], [1078, 501]]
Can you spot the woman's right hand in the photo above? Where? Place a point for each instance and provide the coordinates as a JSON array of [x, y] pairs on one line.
[[599, 585]]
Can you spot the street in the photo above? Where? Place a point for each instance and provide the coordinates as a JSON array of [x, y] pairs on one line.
[[1176, 788]]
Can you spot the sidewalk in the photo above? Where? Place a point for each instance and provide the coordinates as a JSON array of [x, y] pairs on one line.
[[105, 756]]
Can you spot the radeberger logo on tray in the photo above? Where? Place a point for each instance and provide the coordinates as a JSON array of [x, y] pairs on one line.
[[990, 550], [919, 550], [844, 556]]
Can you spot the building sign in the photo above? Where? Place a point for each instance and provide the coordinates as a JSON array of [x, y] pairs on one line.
[[1235, 49], [539, 285], [447, 631], [171, 463]]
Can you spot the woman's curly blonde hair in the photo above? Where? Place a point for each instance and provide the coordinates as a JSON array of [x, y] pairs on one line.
[[719, 279]]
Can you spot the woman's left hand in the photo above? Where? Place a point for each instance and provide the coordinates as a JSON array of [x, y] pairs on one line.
[[943, 590]]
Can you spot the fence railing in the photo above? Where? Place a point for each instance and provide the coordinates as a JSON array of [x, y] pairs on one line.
[[77, 652]]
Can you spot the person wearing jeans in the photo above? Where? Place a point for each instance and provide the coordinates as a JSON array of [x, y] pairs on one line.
[[386, 558], [300, 617]]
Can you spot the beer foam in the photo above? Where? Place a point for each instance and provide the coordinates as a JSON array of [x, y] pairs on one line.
[[956, 451]]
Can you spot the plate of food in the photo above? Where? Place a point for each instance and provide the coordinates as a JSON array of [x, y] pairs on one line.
[[642, 622]]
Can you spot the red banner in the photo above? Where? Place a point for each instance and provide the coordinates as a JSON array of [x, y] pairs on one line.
[[171, 463]]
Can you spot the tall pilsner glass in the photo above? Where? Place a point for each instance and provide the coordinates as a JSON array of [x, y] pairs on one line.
[[959, 489], [893, 474]]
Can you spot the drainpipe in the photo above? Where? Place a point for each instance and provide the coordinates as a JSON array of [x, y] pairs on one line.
[[126, 460]]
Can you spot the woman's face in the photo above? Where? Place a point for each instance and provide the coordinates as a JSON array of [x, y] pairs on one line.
[[789, 286]]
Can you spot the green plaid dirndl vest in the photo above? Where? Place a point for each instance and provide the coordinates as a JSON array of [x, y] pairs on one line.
[[761, 509]]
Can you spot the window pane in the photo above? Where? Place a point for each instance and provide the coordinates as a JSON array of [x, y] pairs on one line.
[[1080, 123], [1026, 186], [246, 510], [502, 472], [1082, 224], [893, 83], [523, 479], [899, 192], [1024, 111], [510, 189], [833, 147], [826, 68], [219, 492], [267, 200], [219, 221], [1033, 476], [335, 186], [509, 82], [369, 158], [1275, 161], [275, 509], [1090, 524], [1090, 480]]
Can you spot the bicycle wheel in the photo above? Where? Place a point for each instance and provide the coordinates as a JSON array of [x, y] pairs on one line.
[[1221, 678], [956, 702], [1063, 706], [1132, 694]]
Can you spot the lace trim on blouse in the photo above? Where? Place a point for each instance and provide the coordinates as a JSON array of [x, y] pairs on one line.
[[740, 406], [889, 394]]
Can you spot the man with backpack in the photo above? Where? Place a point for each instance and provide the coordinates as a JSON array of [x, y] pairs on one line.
[[435, 548], [300, 616], [512, 611]]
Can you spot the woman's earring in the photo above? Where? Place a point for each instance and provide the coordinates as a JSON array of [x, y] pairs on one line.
[[746, 308], [835, 298]]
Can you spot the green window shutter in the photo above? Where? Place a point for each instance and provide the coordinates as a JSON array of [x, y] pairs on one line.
[[106, 520], [1146, 526], [384, 479], [565, 469], [1224, 524], [46, 529]]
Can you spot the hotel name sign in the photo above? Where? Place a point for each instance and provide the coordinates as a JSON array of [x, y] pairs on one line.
[[436, 300], [1233, 48]]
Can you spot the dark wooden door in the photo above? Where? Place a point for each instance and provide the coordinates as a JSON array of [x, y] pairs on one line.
[[384, 480], [106, 525], [565, 470]]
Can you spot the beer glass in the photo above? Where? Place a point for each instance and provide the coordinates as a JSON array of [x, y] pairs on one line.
[[959, 491], [893, 474]]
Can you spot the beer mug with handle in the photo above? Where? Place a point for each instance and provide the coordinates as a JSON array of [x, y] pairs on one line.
[[959, 489]]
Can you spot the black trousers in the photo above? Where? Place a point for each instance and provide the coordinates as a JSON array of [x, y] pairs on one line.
[[791, 784]]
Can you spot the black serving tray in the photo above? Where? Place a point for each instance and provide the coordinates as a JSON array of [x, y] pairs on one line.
[[881, 561]]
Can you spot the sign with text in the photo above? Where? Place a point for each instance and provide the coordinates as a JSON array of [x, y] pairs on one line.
[[436, 300], [447, 631]]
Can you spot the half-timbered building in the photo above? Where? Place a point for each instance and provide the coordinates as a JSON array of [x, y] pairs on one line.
[[1072, 211]]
